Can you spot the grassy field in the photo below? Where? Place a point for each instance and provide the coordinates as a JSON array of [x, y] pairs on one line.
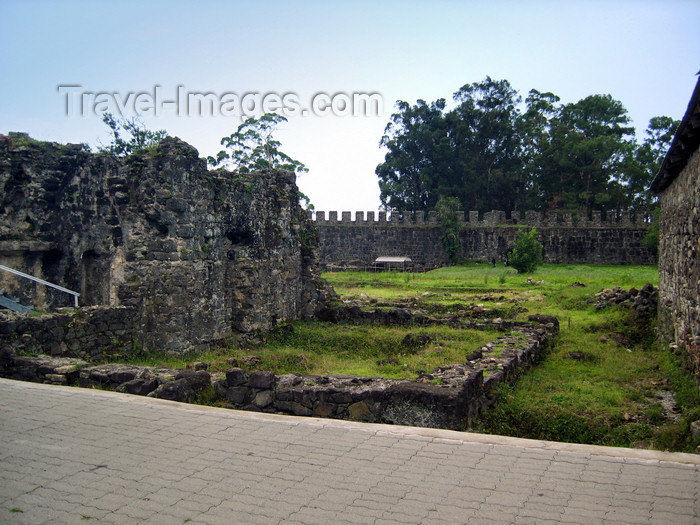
[[325, 348], [606, 381], [368, 351]]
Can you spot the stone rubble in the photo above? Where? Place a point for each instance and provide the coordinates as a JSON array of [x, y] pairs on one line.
[[641, 301]]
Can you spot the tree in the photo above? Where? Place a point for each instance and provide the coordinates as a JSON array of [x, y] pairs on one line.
[[493, 152], [419, 152], [535, 127], [484, 132], [139, 138], [590, 144], [448, 218], [253, 148], [647, 161], [471, 153], [527, 252], [305, 202]]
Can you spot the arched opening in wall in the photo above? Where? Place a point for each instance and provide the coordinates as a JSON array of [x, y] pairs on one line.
[[95, 278]]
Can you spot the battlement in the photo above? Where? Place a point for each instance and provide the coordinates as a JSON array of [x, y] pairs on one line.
[[597, 219]]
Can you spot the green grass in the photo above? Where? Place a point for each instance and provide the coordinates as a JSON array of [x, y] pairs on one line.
[[323, 348], [608, 395], [602, 382]]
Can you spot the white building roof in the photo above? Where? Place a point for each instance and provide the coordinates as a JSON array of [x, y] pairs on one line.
[[392, 260]]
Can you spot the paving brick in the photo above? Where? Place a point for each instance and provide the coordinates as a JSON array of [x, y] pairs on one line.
[[166, 464]]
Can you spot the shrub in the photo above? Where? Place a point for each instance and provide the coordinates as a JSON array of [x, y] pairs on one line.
[[139, 137], [527, 253]]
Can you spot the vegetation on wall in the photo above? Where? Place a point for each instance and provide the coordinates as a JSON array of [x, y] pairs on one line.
[[252, 147], [448, 219], [129, 136]]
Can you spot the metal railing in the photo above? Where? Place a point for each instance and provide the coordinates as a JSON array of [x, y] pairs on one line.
[[41, 281]]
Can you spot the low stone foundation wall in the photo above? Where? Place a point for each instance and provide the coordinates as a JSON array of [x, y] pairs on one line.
[[93, 333], [448, 397]]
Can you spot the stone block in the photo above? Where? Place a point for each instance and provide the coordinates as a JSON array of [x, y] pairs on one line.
[[323, 409], [261, 379], [293, 407], [237, 394], [263, 399], [176, 205], [56, 379], [139, 387], [360, 412]]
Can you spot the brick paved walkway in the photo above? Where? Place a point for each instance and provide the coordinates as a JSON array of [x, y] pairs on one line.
[[70, 455]]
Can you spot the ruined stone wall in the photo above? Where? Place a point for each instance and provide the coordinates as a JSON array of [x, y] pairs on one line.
[[198, 255], [679, 260], [448, 397], [616, 239], [94, 333]]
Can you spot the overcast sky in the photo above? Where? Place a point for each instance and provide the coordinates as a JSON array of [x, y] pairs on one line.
[[643, 53]]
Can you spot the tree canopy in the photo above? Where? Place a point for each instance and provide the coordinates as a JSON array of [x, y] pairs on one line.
[[252, 147], [494, 150]]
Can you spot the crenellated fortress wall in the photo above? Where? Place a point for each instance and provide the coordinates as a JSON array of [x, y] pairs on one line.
[[599, 238]]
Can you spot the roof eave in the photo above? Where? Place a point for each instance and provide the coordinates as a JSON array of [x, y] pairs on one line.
[[685, 142]]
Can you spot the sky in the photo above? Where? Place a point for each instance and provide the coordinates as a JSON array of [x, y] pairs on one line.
[[64, 63]]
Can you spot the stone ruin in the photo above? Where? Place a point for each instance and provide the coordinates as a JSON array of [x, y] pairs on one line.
[[167, 255], [449, 397], [183, 257]]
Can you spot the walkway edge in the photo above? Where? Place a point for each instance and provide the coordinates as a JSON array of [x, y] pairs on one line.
[[378, 428]]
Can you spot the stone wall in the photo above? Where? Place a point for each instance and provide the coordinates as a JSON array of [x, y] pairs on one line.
[[447, 397], [93, 333], [198, 256], [612, 239], [679, 260]]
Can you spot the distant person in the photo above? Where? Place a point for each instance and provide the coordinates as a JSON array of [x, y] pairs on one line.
[[493, 262]]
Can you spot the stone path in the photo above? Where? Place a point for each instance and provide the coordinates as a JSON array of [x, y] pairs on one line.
[[70, 455]]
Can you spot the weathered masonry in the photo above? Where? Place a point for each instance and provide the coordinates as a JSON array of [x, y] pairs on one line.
[[191, 257], [448, 397], [678, 185], [612, 239]]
